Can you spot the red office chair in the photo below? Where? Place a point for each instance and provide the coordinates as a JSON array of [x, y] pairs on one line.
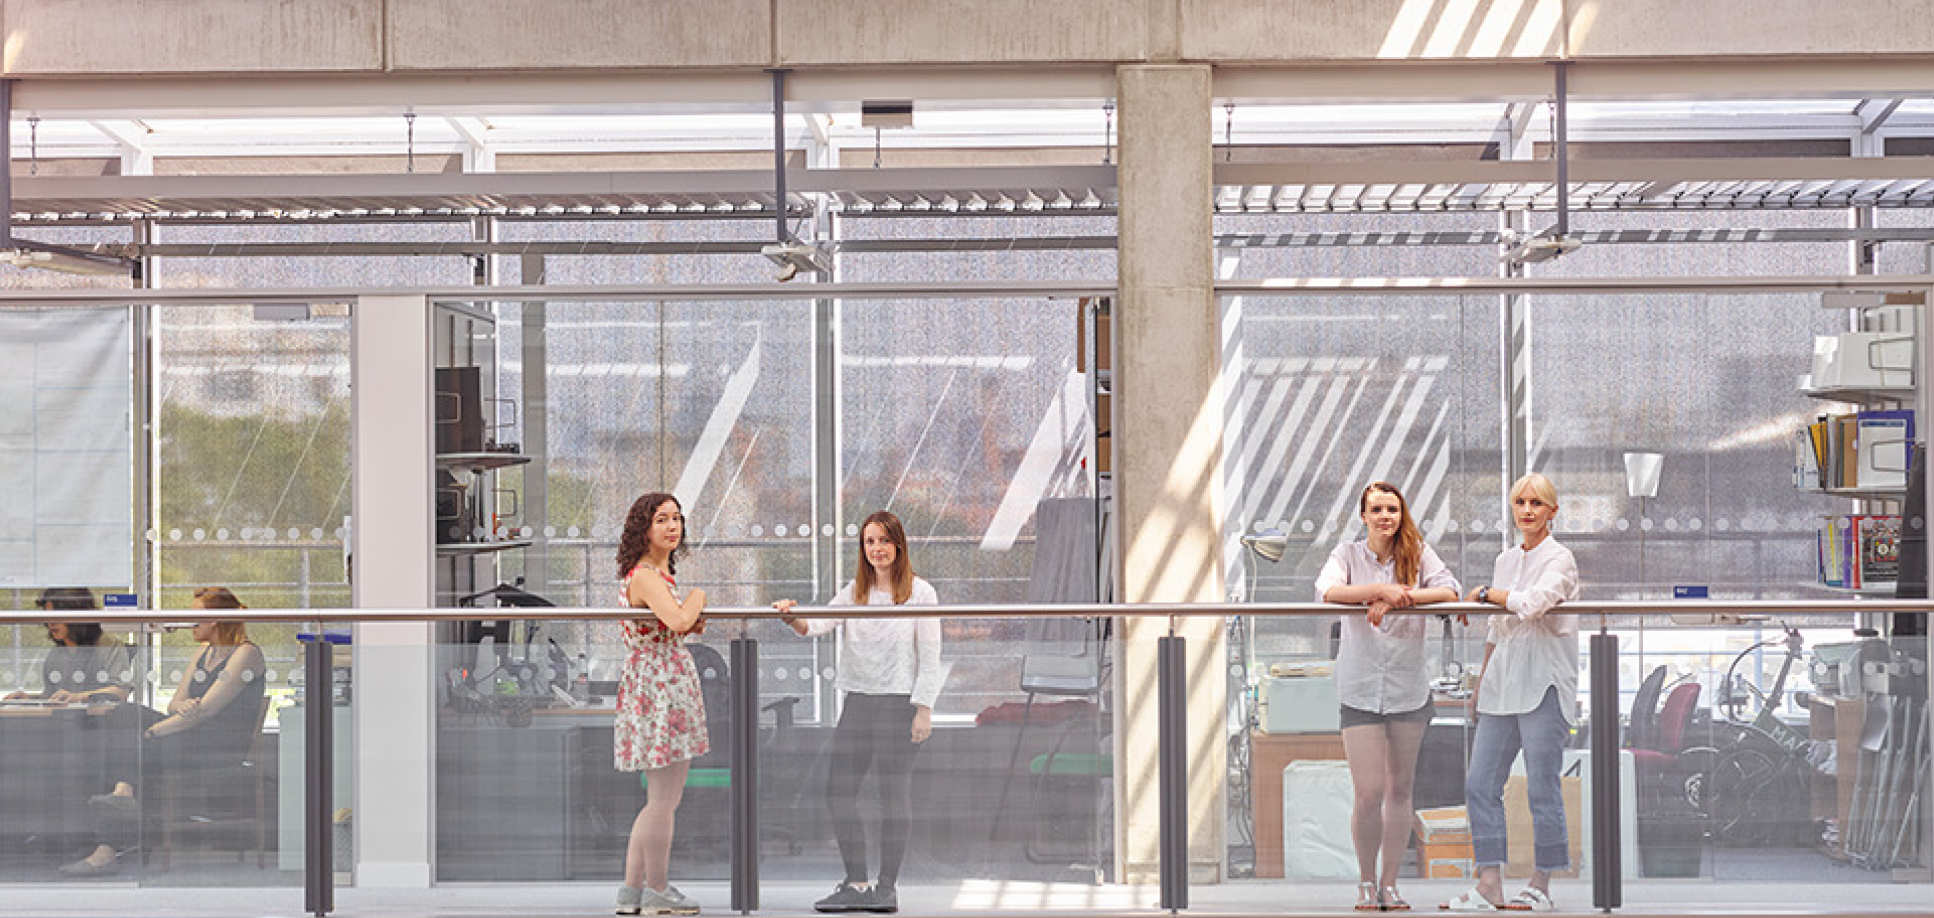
[[1668, 737], [1670, 774]]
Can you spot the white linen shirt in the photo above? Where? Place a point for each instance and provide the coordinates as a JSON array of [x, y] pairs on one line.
[[887, 656], [1534, 651], [1381, 670]]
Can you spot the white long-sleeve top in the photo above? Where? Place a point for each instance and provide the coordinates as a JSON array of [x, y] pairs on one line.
[[1381, 670], [1534, 651], [887, 656]]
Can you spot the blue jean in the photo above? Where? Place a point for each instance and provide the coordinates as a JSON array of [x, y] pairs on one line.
[[1541, 734]]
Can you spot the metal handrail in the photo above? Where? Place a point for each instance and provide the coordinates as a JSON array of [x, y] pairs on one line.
[[1252, 287], [1761, 608]]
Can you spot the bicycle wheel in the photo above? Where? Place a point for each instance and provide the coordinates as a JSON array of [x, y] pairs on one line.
[[1741, 794]]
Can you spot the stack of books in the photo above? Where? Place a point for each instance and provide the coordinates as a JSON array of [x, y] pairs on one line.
[[1864, 451], [1859, 552]]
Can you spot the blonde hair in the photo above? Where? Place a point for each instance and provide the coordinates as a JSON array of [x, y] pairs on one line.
[[1539, 486]]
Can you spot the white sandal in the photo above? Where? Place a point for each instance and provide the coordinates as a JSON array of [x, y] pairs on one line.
[[1469, 901], [1531, 899]]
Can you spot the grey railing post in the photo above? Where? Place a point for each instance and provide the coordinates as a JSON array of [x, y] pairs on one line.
[[745, 774], [318, 816], [1172, 756], [1607, 873]]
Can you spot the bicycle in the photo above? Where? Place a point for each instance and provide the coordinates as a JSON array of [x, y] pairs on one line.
[[1747, 787]]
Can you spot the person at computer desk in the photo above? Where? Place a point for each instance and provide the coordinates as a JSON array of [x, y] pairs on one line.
[[211, 720], [1381, 683], [80, 667]]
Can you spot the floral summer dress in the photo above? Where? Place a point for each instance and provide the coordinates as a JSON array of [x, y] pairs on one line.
[[661, 713]]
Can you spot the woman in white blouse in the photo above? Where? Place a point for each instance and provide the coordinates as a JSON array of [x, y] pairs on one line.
[[1381, 682], [890, 672], [1526, 699]]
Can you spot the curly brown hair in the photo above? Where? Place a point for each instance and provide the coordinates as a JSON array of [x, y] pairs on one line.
[[636, 537]]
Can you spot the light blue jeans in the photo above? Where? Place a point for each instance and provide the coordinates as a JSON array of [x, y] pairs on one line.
[[1541, 733]]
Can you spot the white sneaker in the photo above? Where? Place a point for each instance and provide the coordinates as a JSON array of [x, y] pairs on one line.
[[669, 902]]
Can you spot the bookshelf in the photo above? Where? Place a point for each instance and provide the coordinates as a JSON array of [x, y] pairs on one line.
[[1859, 445]]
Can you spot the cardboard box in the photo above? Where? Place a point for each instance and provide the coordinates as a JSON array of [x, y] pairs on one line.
[[1449, 868], [1518, 855], [1445, 825]]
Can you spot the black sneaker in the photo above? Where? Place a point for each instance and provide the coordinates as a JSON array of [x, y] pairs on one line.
[[846, 898], [884, 900]]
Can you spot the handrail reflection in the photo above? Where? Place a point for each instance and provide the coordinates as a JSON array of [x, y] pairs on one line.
[[1766, 608]]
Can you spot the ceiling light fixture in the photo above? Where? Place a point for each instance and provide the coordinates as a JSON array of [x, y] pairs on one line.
[[795, 256], [1524, 250]]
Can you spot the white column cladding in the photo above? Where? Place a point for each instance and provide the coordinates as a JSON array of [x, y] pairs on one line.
[[393, 539]]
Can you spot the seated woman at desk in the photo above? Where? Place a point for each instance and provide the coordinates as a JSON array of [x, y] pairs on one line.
[[890, 672], [1381, 682], [79, 668], [212, 719]]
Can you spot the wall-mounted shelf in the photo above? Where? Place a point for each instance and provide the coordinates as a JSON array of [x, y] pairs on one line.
[[1862, 396], [1883, 588], [1866, 451], [1861, 493], [477, 548], [477, 462]]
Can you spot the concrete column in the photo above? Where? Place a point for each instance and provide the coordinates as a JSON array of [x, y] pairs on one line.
[[393, 540], [1168, 448]]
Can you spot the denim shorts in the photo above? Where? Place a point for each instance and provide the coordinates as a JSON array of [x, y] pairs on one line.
[[1357, 717]]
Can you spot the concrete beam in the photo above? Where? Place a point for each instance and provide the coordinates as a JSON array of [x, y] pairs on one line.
[[577, 34], [194, 36], [1667, 28], [946, 31], [1299, 30], [81, 37]]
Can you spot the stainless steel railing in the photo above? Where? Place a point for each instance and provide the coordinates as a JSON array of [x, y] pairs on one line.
[[1746, 608]]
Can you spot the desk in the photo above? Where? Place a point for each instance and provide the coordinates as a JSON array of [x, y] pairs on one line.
[[51, 759], [542, 803], [1269, 753], [1440, 776]]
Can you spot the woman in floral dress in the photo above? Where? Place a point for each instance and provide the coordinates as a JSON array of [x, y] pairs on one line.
[[660, 724]]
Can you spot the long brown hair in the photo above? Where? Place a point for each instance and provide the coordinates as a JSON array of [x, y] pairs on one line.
[[902, 566], [1407, 547], [637, 534]]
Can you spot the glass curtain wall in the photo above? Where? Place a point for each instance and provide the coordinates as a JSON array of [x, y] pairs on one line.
[[1726, 725], [252, 495], [962, 417]]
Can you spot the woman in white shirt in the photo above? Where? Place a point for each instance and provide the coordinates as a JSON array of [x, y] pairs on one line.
[[1380, 679], [890, 672], [1526, 699]]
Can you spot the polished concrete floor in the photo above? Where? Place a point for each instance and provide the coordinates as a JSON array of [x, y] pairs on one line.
[[1651, 898]]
